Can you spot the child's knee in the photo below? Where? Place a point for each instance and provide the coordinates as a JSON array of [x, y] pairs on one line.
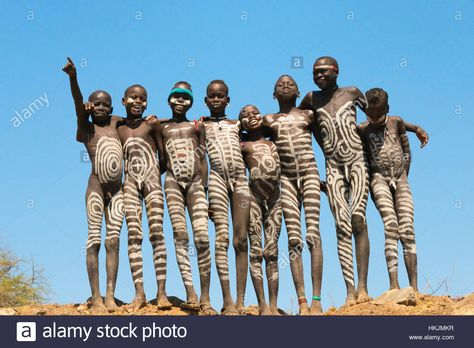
[[201, 243], [240, 243], [256, 256], [93, 246], [270, 255], [181, 238], [295, 244], [313, 240], [112, 244], [222, 242], [358, 223]]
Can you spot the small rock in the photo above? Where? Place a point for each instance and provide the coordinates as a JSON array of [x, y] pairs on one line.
[[82, 307], [404, 296], [37, 312], [7, 311]]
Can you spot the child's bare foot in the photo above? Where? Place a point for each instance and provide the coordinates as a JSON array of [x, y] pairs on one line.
[[110, 304], [350, 300], [138, 302], [264, 310], [162, 302], [98, 306], [315, 308], [230, 309], [303, 306], [206, 309], [274, 311], [363, 296]]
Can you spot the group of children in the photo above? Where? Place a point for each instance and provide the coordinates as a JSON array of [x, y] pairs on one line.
[[276, 149]]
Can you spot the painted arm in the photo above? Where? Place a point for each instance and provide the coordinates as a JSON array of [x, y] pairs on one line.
[[360, 99], [317, 133], [361, 131], [82, 112], [202, 155], [276, 157], [156, 130], [420, 133], [405, 145]]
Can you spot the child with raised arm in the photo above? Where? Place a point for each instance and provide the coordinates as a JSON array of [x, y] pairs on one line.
[[141, 140], [263, 163], [104, 190], [389, 158], [227, 182], [186, 175]]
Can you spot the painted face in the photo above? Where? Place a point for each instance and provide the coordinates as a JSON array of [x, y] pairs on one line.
[[324, 74], [286, 88], [102, 107], [135, 101], [179, 102], [216, 98], [251, 118]]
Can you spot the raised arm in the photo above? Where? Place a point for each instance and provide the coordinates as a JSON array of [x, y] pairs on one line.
[[81, 112], [420, 133], [202, 154], [405, 145]]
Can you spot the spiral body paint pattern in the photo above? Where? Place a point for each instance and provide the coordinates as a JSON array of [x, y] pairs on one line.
[[108, 160], [346, 176]]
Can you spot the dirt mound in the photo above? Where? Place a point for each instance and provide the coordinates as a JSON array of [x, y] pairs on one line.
[[425, 305]]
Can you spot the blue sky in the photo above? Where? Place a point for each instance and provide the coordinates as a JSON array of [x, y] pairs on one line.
[[420, 52]]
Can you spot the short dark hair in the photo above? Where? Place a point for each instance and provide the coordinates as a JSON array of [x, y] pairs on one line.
[[133, 86], [376, 95], [220, 82], [93, 94]]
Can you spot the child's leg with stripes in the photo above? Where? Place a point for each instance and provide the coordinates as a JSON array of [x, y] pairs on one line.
[[114, 218], [154, 203], [311, 203], [256, 253], [384, 201], [133, 216], [175, 198], [272, 228], [405, 212], [95, 212]]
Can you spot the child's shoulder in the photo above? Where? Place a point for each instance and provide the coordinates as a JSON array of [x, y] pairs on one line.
[[396, 120]]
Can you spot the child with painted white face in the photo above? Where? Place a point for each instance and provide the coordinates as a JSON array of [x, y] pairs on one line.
[[262, 160], [141, 139], [186, 175]]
